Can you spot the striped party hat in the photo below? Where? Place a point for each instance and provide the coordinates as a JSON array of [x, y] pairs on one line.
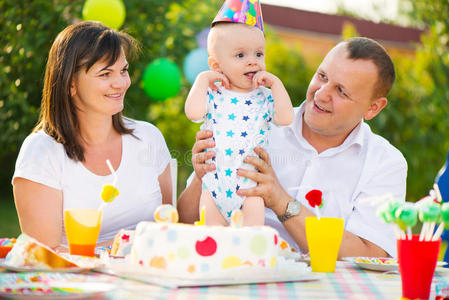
[[241, 11]]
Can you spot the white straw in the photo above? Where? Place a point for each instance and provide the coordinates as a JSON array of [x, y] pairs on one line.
[[112, 172], [437, 193], [409, 232], [102, 205], [423, 231], [317, 211], [439, 231], [430, 231]]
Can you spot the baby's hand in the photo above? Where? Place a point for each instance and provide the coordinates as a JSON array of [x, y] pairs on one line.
[[264, 78], [210, 77]]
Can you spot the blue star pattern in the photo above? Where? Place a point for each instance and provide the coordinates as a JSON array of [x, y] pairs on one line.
[[239, 122]]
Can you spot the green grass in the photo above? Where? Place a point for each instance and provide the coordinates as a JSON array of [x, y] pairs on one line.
[[9, 223]]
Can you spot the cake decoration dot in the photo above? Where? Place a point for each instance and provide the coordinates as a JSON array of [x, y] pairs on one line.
[[258, 245], [172, 235], [231, 262], [207, 247]]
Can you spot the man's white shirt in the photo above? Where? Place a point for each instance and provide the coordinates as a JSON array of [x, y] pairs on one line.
[[364, 167]]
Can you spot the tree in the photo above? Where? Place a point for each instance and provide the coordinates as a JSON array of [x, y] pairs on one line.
[[166, 28], [415, 119]]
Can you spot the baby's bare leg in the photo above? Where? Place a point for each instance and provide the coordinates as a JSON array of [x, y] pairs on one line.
[[253, 211], [213, 215]]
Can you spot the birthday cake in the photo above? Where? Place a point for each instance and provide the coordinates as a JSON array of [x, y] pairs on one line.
[[201, 251]]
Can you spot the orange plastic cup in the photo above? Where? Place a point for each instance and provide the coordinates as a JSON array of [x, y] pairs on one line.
[[324, 239], [82, 227], [417, 262]]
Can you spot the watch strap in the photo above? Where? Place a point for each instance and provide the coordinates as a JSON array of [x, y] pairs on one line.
[[288, 213]]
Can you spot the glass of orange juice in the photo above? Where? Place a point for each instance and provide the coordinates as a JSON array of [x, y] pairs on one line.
[[82, 227]]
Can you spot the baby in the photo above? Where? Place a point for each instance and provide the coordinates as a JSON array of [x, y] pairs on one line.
[[239, 112]]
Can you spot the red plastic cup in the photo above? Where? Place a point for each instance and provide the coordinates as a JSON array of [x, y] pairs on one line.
[[417, 262]]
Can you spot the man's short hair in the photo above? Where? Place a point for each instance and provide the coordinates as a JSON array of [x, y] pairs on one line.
[[368, 49]]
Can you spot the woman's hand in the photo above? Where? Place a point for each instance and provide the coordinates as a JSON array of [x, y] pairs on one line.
[[199, 156], [268, 186]]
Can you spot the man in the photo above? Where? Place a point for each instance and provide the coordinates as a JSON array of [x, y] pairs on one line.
[[328, 147]]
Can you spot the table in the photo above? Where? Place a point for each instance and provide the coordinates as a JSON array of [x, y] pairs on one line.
[[348, 282]]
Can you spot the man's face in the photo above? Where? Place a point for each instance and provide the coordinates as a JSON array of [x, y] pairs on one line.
[[339, 94], [239, 54]]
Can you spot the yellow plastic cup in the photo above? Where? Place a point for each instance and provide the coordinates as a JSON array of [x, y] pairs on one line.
[[82, 227], [324, 239]]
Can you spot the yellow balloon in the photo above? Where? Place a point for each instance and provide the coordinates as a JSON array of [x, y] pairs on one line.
[[109, 12]]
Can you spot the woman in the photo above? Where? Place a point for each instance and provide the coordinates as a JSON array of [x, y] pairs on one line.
[[62, 164]]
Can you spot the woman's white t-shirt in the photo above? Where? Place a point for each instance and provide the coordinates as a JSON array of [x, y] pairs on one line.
[[43, 160]]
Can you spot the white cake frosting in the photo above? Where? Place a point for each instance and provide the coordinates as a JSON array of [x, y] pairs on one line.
[[186, 250]]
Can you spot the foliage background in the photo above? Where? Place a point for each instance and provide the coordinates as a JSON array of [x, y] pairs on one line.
[[415, 120]]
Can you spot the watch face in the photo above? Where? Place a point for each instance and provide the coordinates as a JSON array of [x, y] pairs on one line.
[[293, 208]]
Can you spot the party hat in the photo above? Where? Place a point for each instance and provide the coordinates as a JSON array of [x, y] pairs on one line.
[[241, 11]]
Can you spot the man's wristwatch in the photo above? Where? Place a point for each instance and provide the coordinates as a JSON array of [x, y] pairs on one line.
[[293, 209]]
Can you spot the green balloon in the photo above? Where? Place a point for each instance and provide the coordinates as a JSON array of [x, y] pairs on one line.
[[161, 79], [109, 12]]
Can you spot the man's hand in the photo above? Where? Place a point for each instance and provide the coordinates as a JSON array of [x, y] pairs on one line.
[[199, 157], [268, 186]]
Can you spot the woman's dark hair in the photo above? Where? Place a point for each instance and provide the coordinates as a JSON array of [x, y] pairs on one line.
[[368, 49], [77, 46]]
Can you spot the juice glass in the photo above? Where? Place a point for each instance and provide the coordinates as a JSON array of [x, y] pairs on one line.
[[82, 227], [324, 239], [417, 262]]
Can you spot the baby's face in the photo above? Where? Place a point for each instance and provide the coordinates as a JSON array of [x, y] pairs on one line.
[[239, 52]]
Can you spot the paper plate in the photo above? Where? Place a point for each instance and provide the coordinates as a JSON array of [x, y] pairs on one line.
[[56, 290], [381, 264]]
